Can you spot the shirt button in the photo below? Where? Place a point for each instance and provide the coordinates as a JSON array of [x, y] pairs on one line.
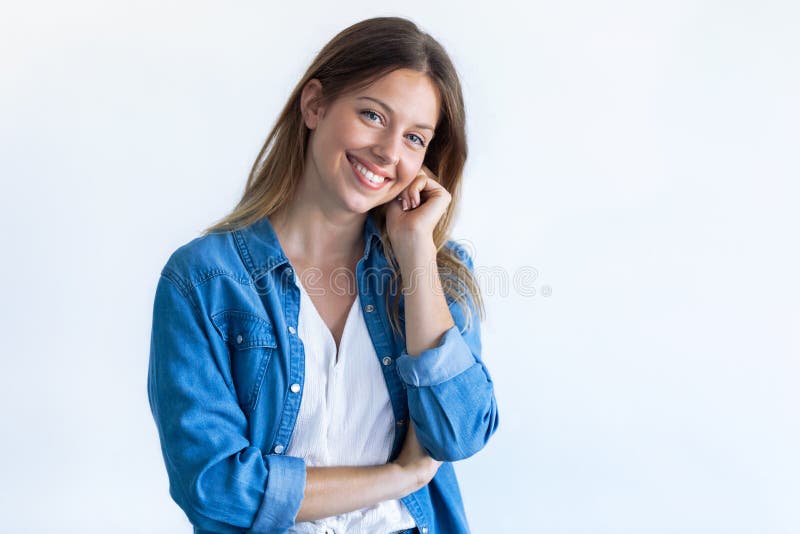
[[369, 307], [239, 338], [289, 271], [387, 360], [424, 530], [278, 449], [292, 330], [295, 388]]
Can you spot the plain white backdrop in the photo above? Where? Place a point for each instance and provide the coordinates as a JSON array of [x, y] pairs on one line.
[[640, 158]]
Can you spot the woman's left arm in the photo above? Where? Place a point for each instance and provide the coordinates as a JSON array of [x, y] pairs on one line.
[[450, 392]]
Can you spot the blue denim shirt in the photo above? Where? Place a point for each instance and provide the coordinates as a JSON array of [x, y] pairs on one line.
[[226, 374]]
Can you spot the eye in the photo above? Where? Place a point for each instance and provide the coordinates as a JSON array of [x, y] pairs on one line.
[[421, 142], [369, 112]]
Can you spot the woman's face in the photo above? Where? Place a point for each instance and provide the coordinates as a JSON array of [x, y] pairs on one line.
[[384, 128]]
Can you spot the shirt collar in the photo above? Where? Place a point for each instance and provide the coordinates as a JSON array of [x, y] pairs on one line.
[[261, 251]]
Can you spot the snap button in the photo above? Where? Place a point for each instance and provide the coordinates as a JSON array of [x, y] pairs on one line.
[[239, 338], [292, 330], [295, 388], [289, 271], [424, 530], [369, 307], [401, 422], [278, 449], [387, 360]]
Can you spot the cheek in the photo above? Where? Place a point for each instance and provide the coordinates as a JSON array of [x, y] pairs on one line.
[[352, 134], [408, 172], [338, 135]]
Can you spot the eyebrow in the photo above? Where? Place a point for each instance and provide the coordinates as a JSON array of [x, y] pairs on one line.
[[390, 110]]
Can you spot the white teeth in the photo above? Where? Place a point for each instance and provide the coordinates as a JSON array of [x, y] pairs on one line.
[[369, 175]]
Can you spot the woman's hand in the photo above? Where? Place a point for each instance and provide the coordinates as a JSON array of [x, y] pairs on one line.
[[415, 461], [427, 202]]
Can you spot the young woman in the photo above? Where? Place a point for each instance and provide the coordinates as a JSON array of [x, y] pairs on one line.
[[315, 359]]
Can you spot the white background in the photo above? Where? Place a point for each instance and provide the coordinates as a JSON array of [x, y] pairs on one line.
[[641, 157]]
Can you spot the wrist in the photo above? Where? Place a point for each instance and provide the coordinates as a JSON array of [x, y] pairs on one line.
[[413, 247]]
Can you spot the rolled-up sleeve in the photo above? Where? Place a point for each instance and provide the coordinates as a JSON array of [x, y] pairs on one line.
[[220, 480], [439, 364], [450, 391]]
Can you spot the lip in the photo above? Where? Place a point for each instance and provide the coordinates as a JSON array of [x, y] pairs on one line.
[[362, 179]]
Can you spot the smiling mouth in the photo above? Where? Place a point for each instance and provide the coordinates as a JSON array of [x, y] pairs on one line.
[[366, 176]]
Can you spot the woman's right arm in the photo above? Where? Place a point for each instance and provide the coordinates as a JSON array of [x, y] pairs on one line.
[[222, 482]]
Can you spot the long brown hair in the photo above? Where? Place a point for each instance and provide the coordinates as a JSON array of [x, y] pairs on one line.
[[356, 57]]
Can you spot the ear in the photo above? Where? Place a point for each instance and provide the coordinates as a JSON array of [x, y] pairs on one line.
[[310, 103]]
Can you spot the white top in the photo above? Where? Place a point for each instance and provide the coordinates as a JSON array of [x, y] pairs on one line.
[[345, 417]]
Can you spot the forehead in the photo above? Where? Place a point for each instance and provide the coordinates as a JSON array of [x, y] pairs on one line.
[[410, 94]]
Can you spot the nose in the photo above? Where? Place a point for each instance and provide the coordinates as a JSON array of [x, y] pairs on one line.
[[387, 149]]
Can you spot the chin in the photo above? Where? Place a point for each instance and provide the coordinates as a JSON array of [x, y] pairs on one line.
[[361, 206]]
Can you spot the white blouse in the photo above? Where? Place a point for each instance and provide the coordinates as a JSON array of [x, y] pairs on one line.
[[345, 417]]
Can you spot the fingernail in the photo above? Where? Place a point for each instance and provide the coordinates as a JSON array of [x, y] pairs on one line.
[[405, 205], [413, 203]]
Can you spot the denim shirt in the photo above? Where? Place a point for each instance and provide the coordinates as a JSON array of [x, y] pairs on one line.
[[226, 375]]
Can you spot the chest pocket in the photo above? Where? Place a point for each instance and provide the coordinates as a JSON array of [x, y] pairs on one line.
[[251, 342]]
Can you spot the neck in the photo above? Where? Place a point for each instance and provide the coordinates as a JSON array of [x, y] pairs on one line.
[[313, 235]]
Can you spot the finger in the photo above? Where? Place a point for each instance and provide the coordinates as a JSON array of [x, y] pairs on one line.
[[421, 184], [410, 195], [427, 172]]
